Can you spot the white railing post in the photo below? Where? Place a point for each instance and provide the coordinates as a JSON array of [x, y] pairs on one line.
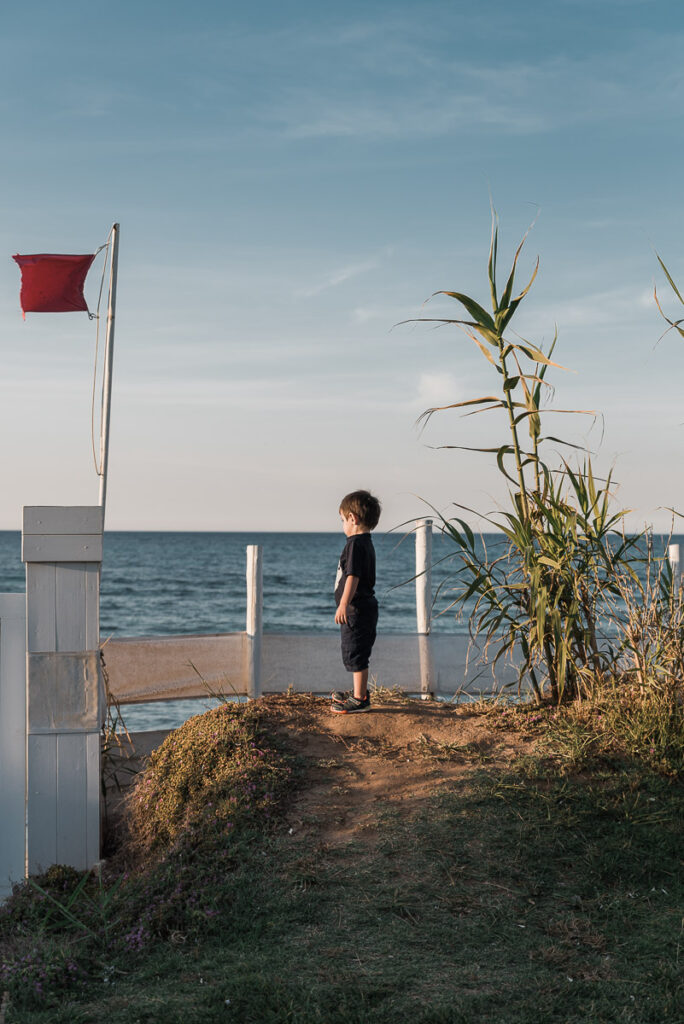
[[424, 604], [62, 549], [673, 557], [12, 741], [255, 601]]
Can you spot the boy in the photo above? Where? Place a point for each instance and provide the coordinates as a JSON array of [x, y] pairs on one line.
[[357, 608]]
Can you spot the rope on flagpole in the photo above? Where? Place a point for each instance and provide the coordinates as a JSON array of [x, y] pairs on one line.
[[108, 362], [96, 316]]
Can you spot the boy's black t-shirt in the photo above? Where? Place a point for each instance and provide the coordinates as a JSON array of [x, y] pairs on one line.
[[357, 559]]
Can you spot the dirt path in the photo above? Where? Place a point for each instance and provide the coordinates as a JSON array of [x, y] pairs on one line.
[[396, 754]]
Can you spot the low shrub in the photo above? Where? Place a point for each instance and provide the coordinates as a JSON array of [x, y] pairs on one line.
[[219, 771]]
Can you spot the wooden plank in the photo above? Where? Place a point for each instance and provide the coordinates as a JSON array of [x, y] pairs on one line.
[[427, 674], [12, 740], [63, 519], [255, 600], [71, 800], [92, 606], [254, 590], [80, 547], [70, 606], [93, 792], [41, 834], [424, 575], [41, 625]]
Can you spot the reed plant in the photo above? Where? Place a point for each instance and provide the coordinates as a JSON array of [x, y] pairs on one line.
[[541, 603]]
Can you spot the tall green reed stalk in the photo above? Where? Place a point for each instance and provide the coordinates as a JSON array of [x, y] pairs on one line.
[[540, 603]]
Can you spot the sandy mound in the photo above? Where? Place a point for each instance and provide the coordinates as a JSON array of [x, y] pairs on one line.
[[395, 754]]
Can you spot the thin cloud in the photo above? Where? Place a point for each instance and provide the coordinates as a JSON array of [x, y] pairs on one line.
[[338, 277], [437, 389], [612, 308], [423, 94], [395, 117]]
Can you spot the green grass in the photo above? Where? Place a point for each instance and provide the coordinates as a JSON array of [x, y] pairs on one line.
[[521, 897]]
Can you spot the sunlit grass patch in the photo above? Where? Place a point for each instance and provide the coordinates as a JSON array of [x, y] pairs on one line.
[[216, 771]]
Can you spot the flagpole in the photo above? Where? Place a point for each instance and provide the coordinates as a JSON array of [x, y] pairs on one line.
[[108, 362]]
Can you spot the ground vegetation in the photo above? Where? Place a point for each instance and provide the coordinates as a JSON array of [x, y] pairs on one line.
[[424, 862]]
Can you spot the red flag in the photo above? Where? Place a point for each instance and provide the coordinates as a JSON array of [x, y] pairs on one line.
[[53, 283]]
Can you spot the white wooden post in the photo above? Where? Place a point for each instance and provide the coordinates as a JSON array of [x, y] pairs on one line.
[[62, 549], [673, 556], [255, 602], [424, 604], [12, 741]]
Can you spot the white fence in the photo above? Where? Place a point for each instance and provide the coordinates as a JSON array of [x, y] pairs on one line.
[[252, 662], [164, 668]]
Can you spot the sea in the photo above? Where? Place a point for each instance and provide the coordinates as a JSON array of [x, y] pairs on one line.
[[170, 583]]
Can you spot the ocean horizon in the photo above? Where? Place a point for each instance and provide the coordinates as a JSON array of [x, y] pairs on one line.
[[161, 583]]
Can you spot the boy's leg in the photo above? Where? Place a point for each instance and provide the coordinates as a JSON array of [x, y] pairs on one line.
[[361, 684], [358, 637]]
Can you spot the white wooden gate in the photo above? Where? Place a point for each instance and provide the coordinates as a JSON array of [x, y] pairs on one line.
[[12, 740], [62, 549]]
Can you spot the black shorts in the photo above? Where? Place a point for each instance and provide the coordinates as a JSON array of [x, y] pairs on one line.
[[358, 635]]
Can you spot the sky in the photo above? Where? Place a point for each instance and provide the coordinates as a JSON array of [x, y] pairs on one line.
[[292, 181]]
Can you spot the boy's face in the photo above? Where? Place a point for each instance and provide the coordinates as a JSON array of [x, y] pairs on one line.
[[349, 523]]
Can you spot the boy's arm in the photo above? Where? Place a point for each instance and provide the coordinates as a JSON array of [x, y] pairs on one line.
[[350, 586]]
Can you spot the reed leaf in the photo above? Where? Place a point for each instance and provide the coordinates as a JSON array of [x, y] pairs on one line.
[[536, 354], [479, 315], [674, 287], [491, 265], [507, 313]]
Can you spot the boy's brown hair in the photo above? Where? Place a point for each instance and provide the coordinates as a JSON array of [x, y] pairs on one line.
[[365, 507]]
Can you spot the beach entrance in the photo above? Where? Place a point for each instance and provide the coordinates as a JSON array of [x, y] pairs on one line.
[[53, 669]]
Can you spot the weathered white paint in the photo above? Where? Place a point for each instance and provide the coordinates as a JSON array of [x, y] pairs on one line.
[[424, 575], [424, 605], [63, 692], [63, 686], [63, 820], [255, 600], [428, 682], [12, 740], [77, 548], [673, 556], [62, 519]]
